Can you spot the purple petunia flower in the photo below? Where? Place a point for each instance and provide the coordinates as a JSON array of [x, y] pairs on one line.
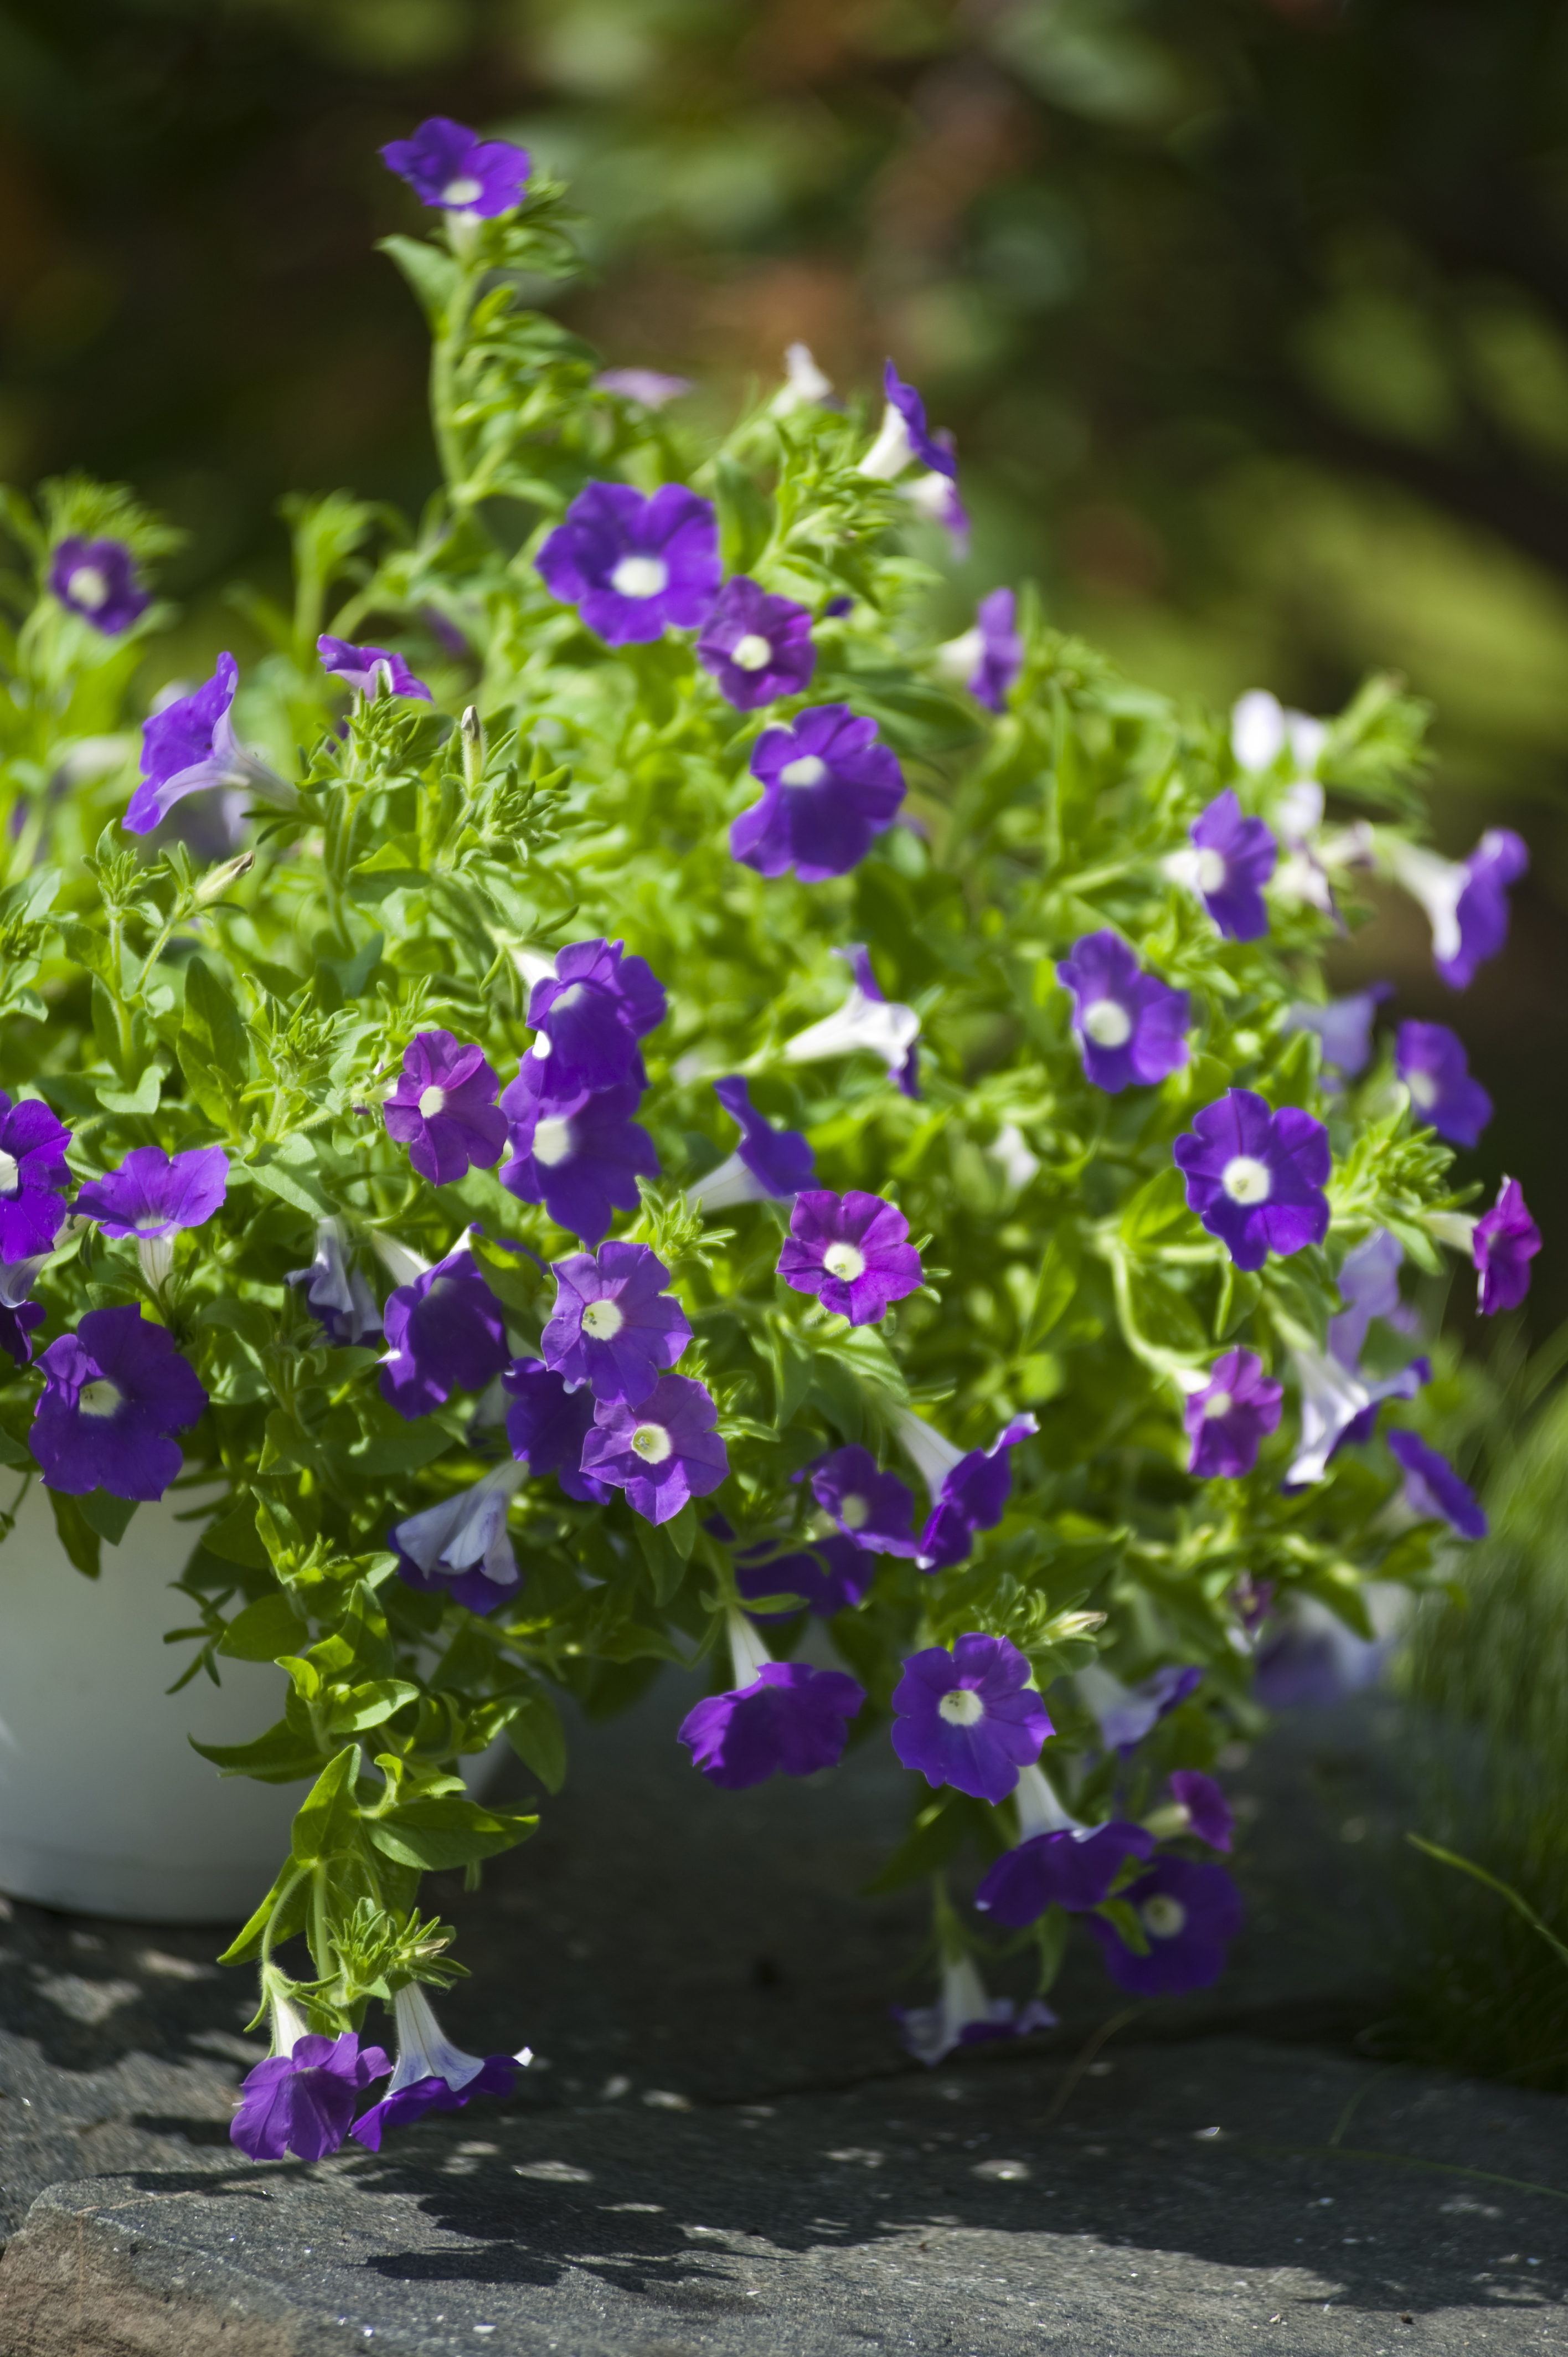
[[970, 1491], [444, 1334], [1344, 1026], [1506, 1241], [768, 1163], [152, 1193], [989, 657], [829, 1576], [935, 499], [462, 1548], [1339, 1403], [447, 164], [1189, 1913], [96, 579], [432, 2073], [851, 1251], [547, 1425], [1310, 1659], [1123, 1714], [580, 1155], [1231, 860], [590, 1015], [1255, 1179], [784, 1719], [757, 646], [191, 744], [337, 1288], [1466, 900], [1129, 1025], [115, 1392], [827, 788], [904, 436], [649, 388], [1228, 1419], [1208, 1813], [33, 1177], [867, 1020], [302, 2102], [17, 1321], [662, 1452], [357, 667], [443, 1108], [1056, 1861], [631, 564], [1433, 1489], [614, 1326], [969, 1718], [870, 1507], [1431, 1062], [965, 2016]]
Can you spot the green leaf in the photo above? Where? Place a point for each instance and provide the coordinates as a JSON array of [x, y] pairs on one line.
[[108, 1515], [290, 1174], [234, 1538], [666, 1563], [1056, 1284], [325, 1823], [1124, 1922], [77, 1534], [746, 515], [284, 1755], [1240, 1292], [439, 1834], [142, 1099], [91, 949], [537, 1737], [206, 1084], [265, 1630], [291, 1919], [434, 275], [360, 1706], [214, 1024], [937, 1831], [1159, 1205]]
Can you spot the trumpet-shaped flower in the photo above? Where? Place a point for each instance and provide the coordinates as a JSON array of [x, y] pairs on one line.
[[1056, 1861], [970, 1495], [829, 1576], [1433, 1489], [781, 1718], [1125, 1714], [851, 1251], [302, 2102], [191, 744], [432, 2074], [444, 1334], [758, 647], [987, 658], [33, 1179], [96, 579], [614, 1326], [804, 386], [548, 1423], [865, 1020], [904, 436], [337, 1289], [580, 1154], [1230, 860], [152, 1195], [357, 667], [589, 1014], [662, 1451], [1431, 1062], [1227, 1421], [1466, 900], [115, 1392], [1188, 1913], [828, 786], [935, 499], [1208, 1813], [768, 1163], [462, 1548], [633, 565], [970, 1718], [1506, 1241], [443, 1108], [871, 1508], [1255, 1179], [448, 165], [965, 2016], [1129, 1025], [1344, 1026]]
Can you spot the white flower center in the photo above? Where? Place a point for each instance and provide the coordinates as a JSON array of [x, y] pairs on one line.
[[639, 577], [553, 1141], [464, 192], [1163, 1917], [1210, 871], [844, 1261], [1423, 1089], [652, 1443], [604, 1320], [100, 1397], [962, 1706], [10, 1176], [807, 771], [752, 654], [853, 1512], [431, 1101], [1246, 1179], [1108, 1023], [88, 586], [1217, 1403]]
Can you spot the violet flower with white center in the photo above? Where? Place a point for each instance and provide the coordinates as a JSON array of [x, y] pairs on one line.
[[191, 744], [152, 1195], [632, 566], [827, 788], [33, 1179], [1189, 1913], [337, 1288], [371, 671], [662, 1452], [1207, 1813], [1431, 1062], [780, 1718], [757, 646], [1262, 729], [1256, 1178], [302, 2098], [448, 165], [589, 1016], [96, 579], [935, 499], [443, 1108], [988, 657], [870, 1507], [965, 2016], [1228, 864], [1228, 1420], [767, 1164], [1344, 1026], [580, 1154], [115, 1392], [1124, 1713], [444, 1334], [432, 2073], [1131, 1026], [970, 1717], [1431, 1488], [1056, 1861], [1506, 1241], [548, 1424], [904, 436], [462, 1548], [865, 1020], [971, 1496], [829, 1576], [613, 1325], [851, 1251], [1466, 900], [649, 388]]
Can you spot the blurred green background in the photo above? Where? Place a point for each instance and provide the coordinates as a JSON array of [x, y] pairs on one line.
[[1251, 315]]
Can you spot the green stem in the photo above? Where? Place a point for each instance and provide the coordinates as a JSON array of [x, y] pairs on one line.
[[446, 353]]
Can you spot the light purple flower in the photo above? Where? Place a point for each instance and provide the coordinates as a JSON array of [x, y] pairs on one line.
[[865, 1020], [303, 2102], [1466, 900], [757, 646], [1339, 1403], [1433, 1489], [547, 1425], [1188, 1913], [969, 1718], [965, 2016], [589, 1016], [971, 1496], [1505, 1242], [580, 1155], [829, 1576], [1056, 1861], [790, 1721], [1370, 1287], [631, 564], [461, 1547], [96, 579], [768, 1163], [447, 164], [1208, 1813], [851, 1251], [1231, 860], [115, 1392], [662, 1452], [1124, 1713], [1129, 1025], [827, 788], [32, 1177], [1228, 1419], [649, 388], [443, 1108], [988, 658], [1310, 1659], [905, 435], [614, 1326], [191, 744], [870, 1507], [1431, 1062], [1344, 1026], [357, 667], [151, 1194], [432, 2073], [1255, 1179], [444, 1334], [337, 1288]]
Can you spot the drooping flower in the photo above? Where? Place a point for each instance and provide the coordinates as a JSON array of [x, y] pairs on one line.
[[1227, 1421], [829, 1576], [758, 646], [904, 436], [32, 1177], [970, 1495], [1228, 864], [662, 1452], [357, 667], [1056, 1861], [151, 1196], [1131, 1026], [444, 1334], [461, 1547], [965, 2016], [1506, 1241], [970, 1718], [1431, 1487], [1255, 1179], [632, 566], [614, 1326], [589, 1015], [804, 386], [1431, 1062], [1310, 1659], [302, 2100], [649, 388], [115, 1392], [432, 2074], [1339, 1405], [828, 786], [989, 656], [443, 1108], [852, 1251], [871, 1508], [1466, 900], [1124, 1713], [768, 1163], [781, 1718], [1344, 1026], [447, 164], [867, 1021], [191, 744], [547, 1423], [580, 1154], [17, 1321], [935, 499], [96, 579], [1189, 1913], [1208, 1813], [1262, 729], [337, 1288]]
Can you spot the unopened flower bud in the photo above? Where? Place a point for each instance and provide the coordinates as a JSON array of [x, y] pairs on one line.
[[214, 885]]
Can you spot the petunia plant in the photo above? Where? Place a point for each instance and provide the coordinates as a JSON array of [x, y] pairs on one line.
[[377, 1018]]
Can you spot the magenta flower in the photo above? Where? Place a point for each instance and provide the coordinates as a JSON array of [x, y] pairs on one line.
[[443, 1108], [32, 1177], [115, 1392], [1188, 1913], [971, 1496], [444, 1334], [662, 1452], [1255, 1179], [851, 1251], [447, 164], [337, 1289], [768, 1162], [432, 2073], [1208, 1813], [614, 1326], [1228, 1419], [631, 565], [303, 2102], [790, 1721], [357, 668], [829, 1576], [1129, 1025], [462, 1548], [96, 579], [589, 1016], [1431, 1062], [965, 2016], [191, 744], [904, 436], [1231, 860], [757, 646], [1466, 900], [547, 1425], [580, 1155], [151, 1194], [1344, 1026], [649, 388], [827, 788], [872, 1509], [969, 1718], [1433, 1489], [1505, 1242]]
